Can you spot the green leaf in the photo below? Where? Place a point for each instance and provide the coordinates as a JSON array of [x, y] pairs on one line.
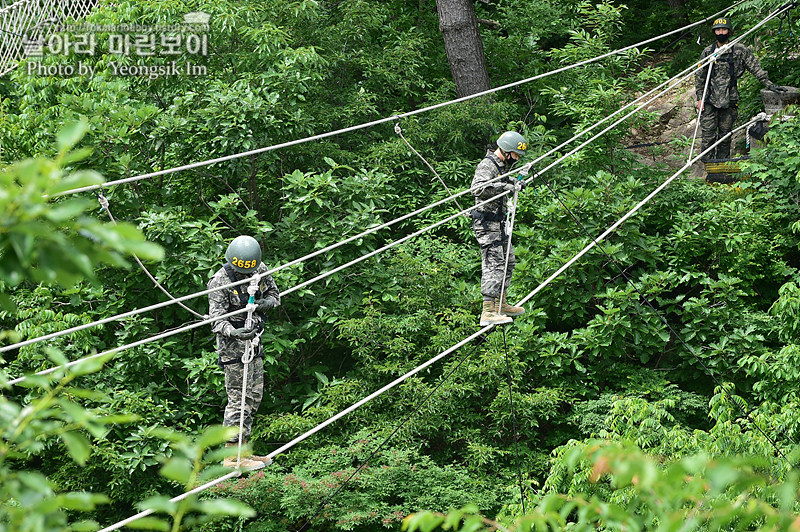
[[77, 446], [178, 469], [149, 523], [215, 435], [71, 134], [226, 507]]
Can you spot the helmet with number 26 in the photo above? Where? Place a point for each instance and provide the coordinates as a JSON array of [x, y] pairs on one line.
[[512, 141], [244, 254]]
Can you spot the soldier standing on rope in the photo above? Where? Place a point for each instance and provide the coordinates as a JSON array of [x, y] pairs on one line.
[[488, 222], [720, 109], [243, 260]]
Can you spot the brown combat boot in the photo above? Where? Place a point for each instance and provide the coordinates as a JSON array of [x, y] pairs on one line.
[[489, 316], [509, 310], [245, 463], [249, 454]]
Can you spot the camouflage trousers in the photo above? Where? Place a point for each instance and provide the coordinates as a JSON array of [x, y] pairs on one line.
[[234, 374], [493, 242], [714, 123]]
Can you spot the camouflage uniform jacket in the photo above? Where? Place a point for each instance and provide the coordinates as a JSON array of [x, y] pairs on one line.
[[489, 168], [722, 91], [234, 298]]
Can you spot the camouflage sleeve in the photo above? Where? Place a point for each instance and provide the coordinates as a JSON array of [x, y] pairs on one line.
[[752, 64], [217, 306], [269, 288], [481, 186], [700, 77]]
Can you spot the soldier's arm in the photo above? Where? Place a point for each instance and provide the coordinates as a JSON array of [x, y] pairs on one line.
[[271, 289], [752, 64], [482, 186], [217, 306], [700, 78]]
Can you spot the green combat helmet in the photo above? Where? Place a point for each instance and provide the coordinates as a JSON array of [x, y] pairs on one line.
[[512, 141], [722, 23], [244, 254]]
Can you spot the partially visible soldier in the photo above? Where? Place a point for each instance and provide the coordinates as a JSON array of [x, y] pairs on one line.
[[720, 109], [489, 226], [243, 258]]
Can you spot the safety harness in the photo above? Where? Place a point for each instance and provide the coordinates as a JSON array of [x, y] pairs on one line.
[[239, 321], [727, 58], [497, 216]]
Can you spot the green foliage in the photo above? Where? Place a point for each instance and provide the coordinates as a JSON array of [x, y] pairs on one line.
[[397, 481], [590, 358], [627, 489], [51, 240]]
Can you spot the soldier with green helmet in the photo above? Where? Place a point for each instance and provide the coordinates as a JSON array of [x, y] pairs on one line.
[[488, 223], [243, 261], [720, 109]]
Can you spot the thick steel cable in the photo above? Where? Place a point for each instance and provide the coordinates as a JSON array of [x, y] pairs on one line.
[[393, 118], [441, 355]]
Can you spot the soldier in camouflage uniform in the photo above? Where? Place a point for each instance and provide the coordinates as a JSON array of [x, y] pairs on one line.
[[720, 109], [488, 223], [243, 258]]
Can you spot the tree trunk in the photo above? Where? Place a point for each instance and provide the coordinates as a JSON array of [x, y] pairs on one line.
[[676, 8], [462, 42]]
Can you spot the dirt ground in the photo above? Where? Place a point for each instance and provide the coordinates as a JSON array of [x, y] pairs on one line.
[[675, 127]]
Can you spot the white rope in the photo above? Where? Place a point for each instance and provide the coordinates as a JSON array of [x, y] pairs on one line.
[[710, 67], [431, 361], [104, 204], [511, 214], [393, 118], [627, 215], [364, 257], [247, 357], [355, 261], [377, 228], [242, 311], [354, 237], [399, 131]]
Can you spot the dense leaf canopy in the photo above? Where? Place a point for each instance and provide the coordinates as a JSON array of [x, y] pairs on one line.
[[624, 415]]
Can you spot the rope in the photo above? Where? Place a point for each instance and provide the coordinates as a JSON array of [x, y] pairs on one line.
[[364, 257], [380, 227], [360, 235], [393, 118], [443, 354], [625, 217], [664, 321], [514, 424], [511, 213], [398, 426], [247, 357], [777, 13], [702, 107], [104, 204], [282, 294], [400, 132]]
